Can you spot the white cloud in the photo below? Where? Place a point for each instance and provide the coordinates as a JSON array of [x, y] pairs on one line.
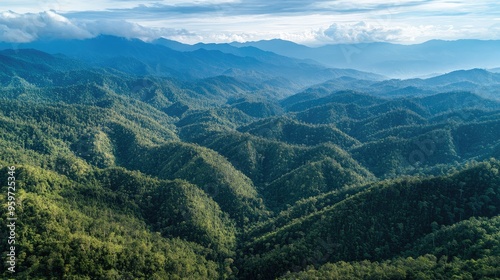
[[129, 29], [14, 35], [21, 28], [363, 32], [369, 21]]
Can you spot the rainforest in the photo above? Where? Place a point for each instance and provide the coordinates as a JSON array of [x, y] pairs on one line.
[[160, 160]]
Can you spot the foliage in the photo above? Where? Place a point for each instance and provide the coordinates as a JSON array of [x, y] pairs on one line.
[[123, 173]]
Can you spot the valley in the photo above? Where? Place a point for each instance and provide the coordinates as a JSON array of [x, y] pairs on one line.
[[222, 161]]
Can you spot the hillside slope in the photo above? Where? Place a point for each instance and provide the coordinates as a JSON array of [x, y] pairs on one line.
[[124, 173]]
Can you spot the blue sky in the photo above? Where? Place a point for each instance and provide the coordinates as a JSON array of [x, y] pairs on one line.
[[307, 22]]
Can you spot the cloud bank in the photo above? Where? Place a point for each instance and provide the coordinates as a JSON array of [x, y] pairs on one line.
[[361, 32], [23, 28], [306, 21]]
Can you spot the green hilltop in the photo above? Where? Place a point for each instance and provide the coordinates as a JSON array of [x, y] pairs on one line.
[[128, 174]]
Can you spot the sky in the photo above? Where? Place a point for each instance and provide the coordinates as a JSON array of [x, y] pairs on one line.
[[306, 22]]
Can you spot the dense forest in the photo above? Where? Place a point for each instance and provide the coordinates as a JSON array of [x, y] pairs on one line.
[[223, 169]]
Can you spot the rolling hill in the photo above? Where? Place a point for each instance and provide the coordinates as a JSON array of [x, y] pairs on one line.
[[193, 170]]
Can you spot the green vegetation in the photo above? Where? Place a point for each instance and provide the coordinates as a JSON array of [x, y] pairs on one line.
[[423, 267], [376, 223], [122, 176], [466, 250], [70, 229]]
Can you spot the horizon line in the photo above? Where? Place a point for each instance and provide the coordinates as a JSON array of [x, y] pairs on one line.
[[248, 42]]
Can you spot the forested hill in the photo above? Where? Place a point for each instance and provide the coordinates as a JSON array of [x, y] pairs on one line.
[[205, 172], [136, 57]]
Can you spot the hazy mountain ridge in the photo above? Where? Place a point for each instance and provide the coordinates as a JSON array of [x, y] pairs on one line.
[[393, 60], [134, 56]]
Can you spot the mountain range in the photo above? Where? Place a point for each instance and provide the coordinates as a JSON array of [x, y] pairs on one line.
[[394, 60], [426, 59], [160, 160]]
